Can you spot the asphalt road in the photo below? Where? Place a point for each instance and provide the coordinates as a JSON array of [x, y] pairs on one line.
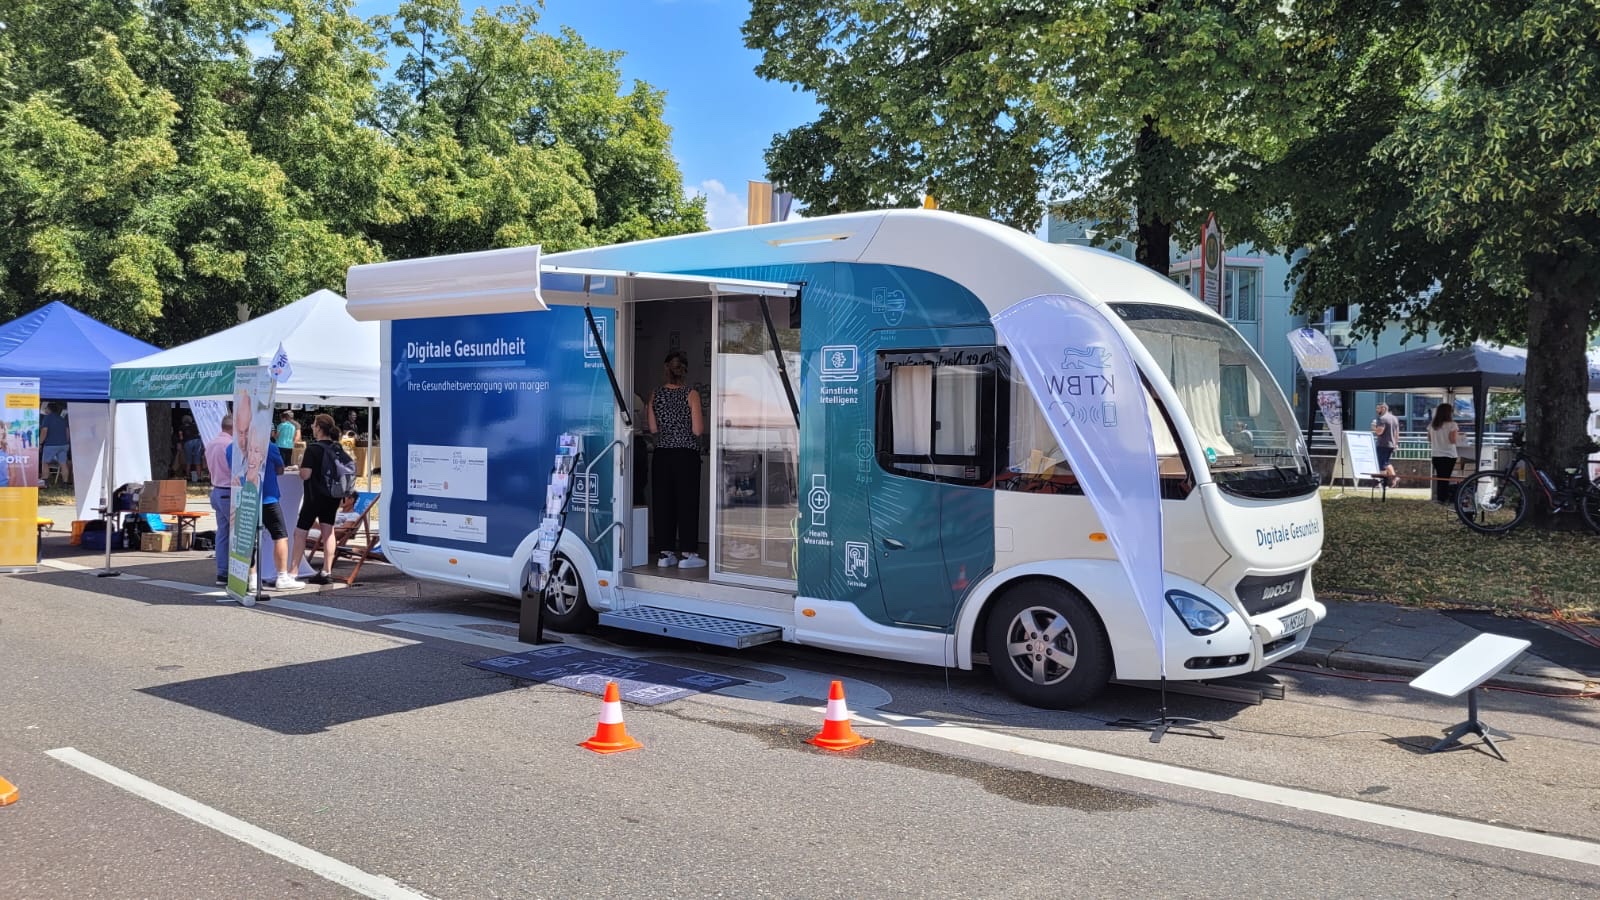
[[348, 724]]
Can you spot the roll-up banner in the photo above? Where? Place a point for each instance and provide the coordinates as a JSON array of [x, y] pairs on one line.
[[1079, 369], [19, 474], [1313, 351], [252, 428]]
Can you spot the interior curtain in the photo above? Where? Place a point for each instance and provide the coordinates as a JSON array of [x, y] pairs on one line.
[[957, 410], [1197, 379], [912, 387]]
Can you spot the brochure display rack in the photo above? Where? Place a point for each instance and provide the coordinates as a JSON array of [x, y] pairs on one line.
[[558, 497]]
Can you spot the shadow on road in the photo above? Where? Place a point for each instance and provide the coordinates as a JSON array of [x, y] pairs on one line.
[[306, 698]]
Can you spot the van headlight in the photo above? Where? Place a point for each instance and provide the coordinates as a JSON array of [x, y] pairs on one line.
[[1197, 615]]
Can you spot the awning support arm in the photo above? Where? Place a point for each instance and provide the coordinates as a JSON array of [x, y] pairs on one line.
[[605, 360], [783, 367]]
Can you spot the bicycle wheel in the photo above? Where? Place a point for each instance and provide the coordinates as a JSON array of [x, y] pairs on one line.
[[1492, 502], [1589, 505]]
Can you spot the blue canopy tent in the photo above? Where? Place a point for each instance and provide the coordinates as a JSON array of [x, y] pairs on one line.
[[70, 353]]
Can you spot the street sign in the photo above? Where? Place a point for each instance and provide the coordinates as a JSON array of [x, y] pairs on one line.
[[1211, 280]]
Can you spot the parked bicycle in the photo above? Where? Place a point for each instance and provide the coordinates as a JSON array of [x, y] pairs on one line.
[[1496, 501]]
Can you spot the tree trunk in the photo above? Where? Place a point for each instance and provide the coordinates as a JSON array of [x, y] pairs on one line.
[[1153, 244], [1556, 380]]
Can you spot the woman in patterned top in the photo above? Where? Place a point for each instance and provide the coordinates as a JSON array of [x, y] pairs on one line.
[[677, 423]]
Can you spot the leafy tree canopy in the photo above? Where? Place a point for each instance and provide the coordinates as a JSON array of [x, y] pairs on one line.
[[159, 176], [1139, 114]]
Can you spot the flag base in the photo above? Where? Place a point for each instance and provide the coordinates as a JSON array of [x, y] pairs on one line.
[[1160, 726]]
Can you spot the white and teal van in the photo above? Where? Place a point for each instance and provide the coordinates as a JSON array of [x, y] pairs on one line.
[[875, 478]]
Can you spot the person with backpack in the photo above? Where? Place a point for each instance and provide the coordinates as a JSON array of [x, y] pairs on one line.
[[329, 476]]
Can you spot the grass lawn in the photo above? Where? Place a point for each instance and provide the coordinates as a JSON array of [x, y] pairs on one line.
[[1418, 553]]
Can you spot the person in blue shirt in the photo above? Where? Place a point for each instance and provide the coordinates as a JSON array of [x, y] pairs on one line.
[[272, 518], [55, 441]]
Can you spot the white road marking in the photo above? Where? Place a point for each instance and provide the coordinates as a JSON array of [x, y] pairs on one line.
[[340, 873], [1309, 801]]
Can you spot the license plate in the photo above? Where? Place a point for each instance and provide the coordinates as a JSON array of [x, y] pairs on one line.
[[1296, 621]]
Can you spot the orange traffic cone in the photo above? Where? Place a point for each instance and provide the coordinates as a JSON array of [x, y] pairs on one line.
[[610, 736], [836, 731], [8, 793]]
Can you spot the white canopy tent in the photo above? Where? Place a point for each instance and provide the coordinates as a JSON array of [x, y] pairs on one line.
[[333, 361]]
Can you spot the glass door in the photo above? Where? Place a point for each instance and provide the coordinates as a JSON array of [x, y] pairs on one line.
[[755, 440]]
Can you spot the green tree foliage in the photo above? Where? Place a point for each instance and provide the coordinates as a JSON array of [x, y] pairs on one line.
[[1453, 180], [158, 175], [1140, 114]]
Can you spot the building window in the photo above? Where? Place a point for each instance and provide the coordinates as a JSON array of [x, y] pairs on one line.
[[1241, 296], [936, 413]]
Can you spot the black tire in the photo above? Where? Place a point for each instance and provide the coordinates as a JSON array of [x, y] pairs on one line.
[[565, 603], [1062, 673], [1589, 506], [1492, 502]]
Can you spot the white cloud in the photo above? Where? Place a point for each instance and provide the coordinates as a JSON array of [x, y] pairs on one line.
[[724, 208]]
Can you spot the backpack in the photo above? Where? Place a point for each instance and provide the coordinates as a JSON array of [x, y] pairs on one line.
[[338, 472]]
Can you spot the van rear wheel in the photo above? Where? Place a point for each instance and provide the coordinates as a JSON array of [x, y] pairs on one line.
[[1047, 648], [565, 606]]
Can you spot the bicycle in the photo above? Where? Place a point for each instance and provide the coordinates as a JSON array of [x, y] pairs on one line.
[[1496, 501]]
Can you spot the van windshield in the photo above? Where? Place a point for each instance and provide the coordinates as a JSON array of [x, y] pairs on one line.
[[1246, 430]]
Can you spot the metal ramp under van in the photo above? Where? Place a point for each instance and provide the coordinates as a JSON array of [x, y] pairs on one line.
[[692, 626]]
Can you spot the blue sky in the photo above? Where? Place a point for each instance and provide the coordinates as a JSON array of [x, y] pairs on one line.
[[723, 117]]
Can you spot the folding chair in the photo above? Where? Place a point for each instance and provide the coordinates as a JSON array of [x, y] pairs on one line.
[[355, 518]]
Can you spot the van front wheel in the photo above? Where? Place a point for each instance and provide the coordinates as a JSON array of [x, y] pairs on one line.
[[565, 607], [1047, 648]]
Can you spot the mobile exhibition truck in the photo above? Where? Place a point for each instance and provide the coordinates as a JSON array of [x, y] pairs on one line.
[[876, 478]]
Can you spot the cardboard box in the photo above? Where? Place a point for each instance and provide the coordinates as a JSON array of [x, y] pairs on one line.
[[164, 496], [156, 542]]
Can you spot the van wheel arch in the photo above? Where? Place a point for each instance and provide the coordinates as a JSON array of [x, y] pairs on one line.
[[1037, 600]]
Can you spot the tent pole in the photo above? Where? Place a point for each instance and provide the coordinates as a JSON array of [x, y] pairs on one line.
[[1480, 411], [369, 446], [110, 482]]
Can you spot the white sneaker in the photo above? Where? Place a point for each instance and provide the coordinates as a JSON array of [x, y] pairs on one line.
[[287, 582], [667, 561], [692, 561]]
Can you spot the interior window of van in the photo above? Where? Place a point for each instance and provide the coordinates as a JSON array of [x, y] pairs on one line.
[[936, 416]]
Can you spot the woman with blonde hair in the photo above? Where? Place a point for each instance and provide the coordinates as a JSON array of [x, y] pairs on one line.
[[677, 423]]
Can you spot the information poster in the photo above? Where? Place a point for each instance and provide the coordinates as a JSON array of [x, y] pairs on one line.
[[252, 428], [480, 403], [1362, 449], [19, 475]]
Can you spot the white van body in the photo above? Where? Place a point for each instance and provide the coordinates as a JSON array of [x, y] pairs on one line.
[[846, 504]]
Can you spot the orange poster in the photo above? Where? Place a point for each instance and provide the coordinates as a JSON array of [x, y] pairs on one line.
[[19, 473]]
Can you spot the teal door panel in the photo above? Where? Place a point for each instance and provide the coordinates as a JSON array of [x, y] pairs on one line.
[[930, 538]]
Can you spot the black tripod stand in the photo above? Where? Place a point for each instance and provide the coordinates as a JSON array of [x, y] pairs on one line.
[[1158, 727]]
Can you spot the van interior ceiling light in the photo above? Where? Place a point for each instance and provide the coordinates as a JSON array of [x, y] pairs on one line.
[[1197, 615]]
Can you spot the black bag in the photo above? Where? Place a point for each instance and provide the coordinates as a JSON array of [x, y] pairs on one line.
[[205, 540], [338, 472]]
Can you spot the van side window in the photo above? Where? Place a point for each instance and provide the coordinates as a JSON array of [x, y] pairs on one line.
[[936, 413]]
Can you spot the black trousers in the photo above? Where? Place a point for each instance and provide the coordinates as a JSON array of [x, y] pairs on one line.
[[675, 500], [1443, 466]]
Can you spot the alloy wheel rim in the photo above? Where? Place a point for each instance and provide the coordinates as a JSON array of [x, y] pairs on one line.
[[1042, 646]]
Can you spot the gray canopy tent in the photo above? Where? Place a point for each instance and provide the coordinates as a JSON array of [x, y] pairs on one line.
[[1481, 368]]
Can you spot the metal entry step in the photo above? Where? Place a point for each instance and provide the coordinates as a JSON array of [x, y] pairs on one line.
[[692, 626]]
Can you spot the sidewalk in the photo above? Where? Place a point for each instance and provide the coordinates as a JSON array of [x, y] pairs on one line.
[[1386, 639], [1372, 637]]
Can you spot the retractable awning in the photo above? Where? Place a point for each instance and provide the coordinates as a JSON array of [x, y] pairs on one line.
[[513, 280]]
